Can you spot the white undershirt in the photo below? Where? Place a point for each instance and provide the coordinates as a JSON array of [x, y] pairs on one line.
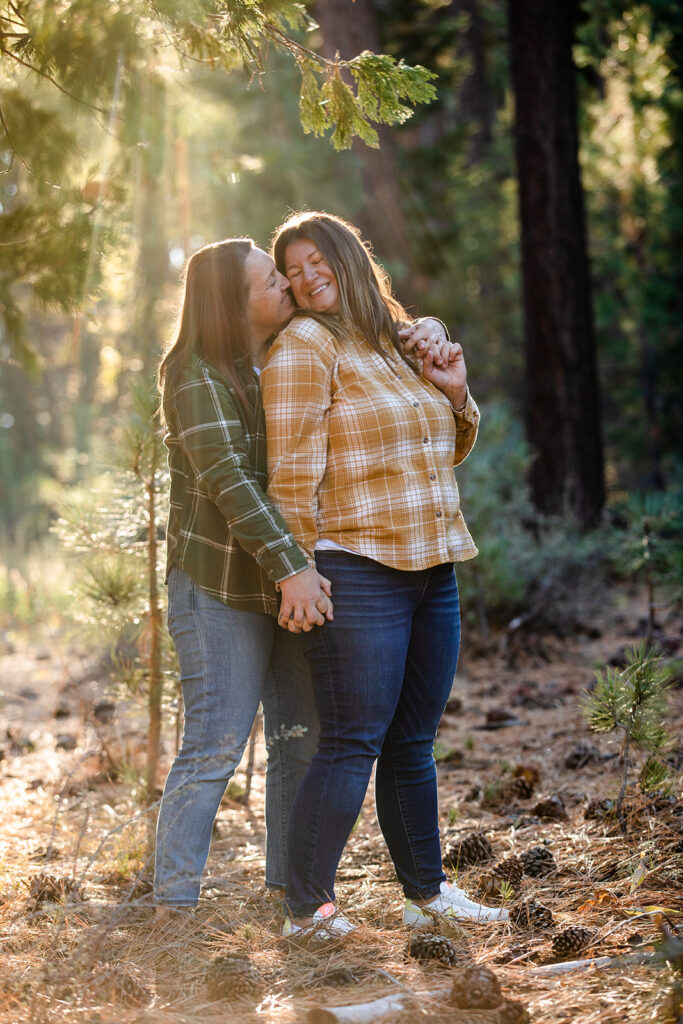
[[323, 544]]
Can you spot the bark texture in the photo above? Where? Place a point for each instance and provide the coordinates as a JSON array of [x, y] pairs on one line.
[[562, 397]]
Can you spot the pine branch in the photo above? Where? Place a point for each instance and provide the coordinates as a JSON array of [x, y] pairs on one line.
[[17, 154], [53, 81]]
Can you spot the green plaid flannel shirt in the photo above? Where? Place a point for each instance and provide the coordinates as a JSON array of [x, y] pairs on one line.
[[223, 530]]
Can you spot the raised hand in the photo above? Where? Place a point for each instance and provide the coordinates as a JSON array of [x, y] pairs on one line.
[[450, 378]]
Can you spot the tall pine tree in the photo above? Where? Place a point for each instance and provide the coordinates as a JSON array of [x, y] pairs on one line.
[[562, 400]]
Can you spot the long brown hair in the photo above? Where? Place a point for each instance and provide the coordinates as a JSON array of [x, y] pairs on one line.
[[212, 322], [366, 305]]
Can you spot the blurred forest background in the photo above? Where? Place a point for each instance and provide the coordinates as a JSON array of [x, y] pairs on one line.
[[528, 189], [127, 144]]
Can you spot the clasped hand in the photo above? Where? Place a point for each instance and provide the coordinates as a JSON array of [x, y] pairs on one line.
[[443, 362], [306, 601]]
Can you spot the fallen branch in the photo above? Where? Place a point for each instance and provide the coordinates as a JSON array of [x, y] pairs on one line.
[[368, 1013], [379, 1009], [595, 961]]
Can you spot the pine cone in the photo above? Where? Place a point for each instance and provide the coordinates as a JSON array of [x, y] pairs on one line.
[[581, 755], [506, 791], [514, 952], [46, 888], [231, 977], [506, 874], [518, 789], [512, 1012], [531, 914], [512, 869], [529, 772], [550, 807], [538, 861], [339, 976], [572, 940], [142, 886], [119, 985], [473, 848], [430, 946], [598, 809], [476, 988]]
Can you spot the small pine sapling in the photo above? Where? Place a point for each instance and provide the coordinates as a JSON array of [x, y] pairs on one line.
[[142, 455], [115, 532], [653, 547], [632, 701]]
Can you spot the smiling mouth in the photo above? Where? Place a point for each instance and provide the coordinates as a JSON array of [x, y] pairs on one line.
[[319, 290]]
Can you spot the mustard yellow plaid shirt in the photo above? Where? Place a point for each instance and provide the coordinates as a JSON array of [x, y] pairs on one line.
[[361, 453]]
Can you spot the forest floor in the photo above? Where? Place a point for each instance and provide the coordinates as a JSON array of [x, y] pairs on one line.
[[78, 935]]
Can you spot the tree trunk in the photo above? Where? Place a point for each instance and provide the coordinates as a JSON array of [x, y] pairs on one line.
[[152, 271], [154, 625], [562, 391], [349, 27], [475, 100]]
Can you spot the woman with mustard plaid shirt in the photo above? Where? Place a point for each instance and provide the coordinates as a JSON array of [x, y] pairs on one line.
[[361, 450]]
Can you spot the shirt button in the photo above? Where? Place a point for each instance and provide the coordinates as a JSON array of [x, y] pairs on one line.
[[432, 476], [425, 440], [438, 514], [416, 405]]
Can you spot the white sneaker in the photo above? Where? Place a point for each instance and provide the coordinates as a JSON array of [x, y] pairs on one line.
[[327, 923], [453, 904]]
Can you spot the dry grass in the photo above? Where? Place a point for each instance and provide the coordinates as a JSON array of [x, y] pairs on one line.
[[94, 954]]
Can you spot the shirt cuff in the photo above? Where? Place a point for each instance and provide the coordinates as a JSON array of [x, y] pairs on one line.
[[279, 566], [468, 410]]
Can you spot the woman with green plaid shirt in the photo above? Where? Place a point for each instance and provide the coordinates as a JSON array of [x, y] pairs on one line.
[[229, 553]]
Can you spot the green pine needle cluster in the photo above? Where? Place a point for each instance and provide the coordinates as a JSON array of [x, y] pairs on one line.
[[632, 697], [633, 701], [329, 101]]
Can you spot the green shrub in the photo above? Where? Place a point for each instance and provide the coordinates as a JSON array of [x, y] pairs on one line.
[[545, 567]]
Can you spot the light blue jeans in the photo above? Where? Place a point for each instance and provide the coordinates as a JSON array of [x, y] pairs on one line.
[[230, 660]]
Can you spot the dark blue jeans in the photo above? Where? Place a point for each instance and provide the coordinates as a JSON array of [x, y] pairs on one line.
[[382, 672]]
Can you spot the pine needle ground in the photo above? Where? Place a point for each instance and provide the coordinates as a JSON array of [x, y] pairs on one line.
[[95, 954]]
